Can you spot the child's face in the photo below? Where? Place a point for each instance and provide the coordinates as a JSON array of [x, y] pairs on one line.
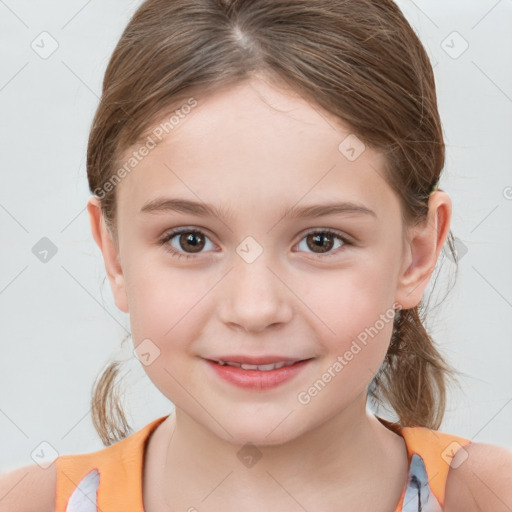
[[252, 162]]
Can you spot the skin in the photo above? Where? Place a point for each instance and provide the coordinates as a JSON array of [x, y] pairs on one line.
[[252, 150]]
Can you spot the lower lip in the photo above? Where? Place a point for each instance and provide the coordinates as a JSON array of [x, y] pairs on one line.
[[257, 379]]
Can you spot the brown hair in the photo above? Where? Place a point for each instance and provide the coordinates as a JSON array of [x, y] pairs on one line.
[[359, 60]]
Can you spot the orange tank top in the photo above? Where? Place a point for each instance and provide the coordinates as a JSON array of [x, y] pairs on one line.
[[110, 479]]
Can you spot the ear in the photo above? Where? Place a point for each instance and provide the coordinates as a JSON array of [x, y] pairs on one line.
[[422, 249], [110, 250]]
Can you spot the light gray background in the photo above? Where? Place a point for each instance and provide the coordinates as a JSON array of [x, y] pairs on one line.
[[59, 325]]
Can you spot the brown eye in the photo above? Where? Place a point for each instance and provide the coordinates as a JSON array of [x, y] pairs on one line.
[[191, 240], [320, 241], [324, 241], [184, 242]]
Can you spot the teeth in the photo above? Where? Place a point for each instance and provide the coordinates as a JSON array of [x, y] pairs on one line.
[[261, 367]]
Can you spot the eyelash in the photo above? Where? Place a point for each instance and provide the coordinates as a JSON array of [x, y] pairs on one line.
[[171, 234]]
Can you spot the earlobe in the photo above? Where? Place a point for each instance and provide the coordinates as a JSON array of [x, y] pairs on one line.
[[110, 251], [422, 251]]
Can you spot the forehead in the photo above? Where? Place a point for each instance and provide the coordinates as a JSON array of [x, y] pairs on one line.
[[255, 145]]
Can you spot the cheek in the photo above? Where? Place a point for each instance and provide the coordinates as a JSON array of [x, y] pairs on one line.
[[161, 298], [353, 354], [354, 325], [348, 302], [167, 315], [165, 309]]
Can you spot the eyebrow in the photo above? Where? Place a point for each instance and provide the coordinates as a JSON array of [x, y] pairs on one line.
[[168, 204]]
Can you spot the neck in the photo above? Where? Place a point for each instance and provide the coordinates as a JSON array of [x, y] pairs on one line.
[[335, 459]]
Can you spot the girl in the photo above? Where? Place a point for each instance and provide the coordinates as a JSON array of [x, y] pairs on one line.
[[265, 197]]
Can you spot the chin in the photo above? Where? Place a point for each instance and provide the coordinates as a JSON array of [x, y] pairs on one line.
[[259, 432]]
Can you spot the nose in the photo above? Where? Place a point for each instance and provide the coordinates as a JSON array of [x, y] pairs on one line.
[[255, 297]]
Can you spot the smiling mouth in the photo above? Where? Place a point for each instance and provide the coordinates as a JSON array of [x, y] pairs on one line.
[[258, 377], [259, 367]]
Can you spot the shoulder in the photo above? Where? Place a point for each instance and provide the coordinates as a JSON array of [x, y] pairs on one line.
[[28, 489], [480, 479]]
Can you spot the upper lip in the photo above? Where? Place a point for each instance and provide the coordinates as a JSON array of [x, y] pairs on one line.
[[256, 360]]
